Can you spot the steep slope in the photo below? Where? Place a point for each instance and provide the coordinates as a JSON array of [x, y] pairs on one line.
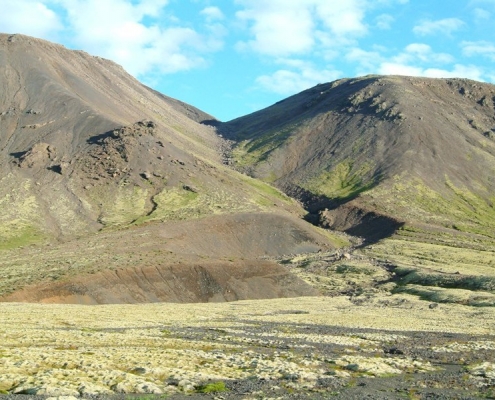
[[378, 152], [74, 156], [85, 148], [189, 283]]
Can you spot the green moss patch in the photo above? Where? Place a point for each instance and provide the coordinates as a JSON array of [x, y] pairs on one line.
[[456, 296], [454, 207], [343, 181], [214, 387], [252, 151], [265, 194], [18, 236], [175, 203], [446, 280], [121, 206]]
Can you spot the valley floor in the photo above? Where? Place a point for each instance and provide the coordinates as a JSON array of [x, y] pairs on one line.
[[391, 346]]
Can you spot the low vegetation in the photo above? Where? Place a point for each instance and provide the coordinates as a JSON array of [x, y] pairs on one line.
[[341, 182], [454, 207], [293, 345]]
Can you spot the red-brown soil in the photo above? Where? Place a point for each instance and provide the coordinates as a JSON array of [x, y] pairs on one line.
[[181, 283]]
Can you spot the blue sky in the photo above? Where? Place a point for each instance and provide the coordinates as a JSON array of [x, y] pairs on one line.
[[230, 58]]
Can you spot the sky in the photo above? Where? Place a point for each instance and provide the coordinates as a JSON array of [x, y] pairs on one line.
[[231, 58]]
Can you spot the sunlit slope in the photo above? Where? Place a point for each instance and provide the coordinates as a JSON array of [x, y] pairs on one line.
[[416, 150], [85, 146]]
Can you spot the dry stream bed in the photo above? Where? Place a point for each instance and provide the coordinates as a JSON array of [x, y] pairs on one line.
[[391, 346]]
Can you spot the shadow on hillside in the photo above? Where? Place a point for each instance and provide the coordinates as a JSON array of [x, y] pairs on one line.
[[211, 122], [374, 227], [18, 154], [99, 139], [342, 215]]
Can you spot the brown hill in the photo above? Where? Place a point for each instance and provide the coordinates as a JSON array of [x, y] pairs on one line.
[[85, 148], [191, 283], [84, 144], [378, 152]]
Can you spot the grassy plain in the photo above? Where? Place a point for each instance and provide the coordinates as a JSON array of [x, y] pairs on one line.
[[296, 344]]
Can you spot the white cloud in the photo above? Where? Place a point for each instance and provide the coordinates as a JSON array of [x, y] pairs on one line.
[[417, 59], [212, 13], [149, 7], [278, 27], [367, 61], [443, 26], [134, 33], [283, 28], [481, 14], [388, 2], [384, 21], [342, 17], [154, 46], [424, 53], [391, 68], [459, 71], [305, 75], [483, 48], [420, 53], [29, 17], [413, 60]]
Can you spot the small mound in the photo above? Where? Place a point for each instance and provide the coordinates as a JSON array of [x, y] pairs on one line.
[[38, 156], [357, 221], [184, 283]]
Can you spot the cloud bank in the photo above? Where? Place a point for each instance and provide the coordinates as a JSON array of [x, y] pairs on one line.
[[293, 44]]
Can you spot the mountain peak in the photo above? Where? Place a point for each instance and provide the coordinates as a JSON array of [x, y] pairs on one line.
[[361, 139]]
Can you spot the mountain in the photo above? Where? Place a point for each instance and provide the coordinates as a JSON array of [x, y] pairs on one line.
[[84, 145], [373, 154], [111, 192], [100, 173]]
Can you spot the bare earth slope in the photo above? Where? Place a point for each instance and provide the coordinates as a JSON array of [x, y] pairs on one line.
[[406, 163], [63, 149], [188, 283], [84, 148], [113, 193], [209, 259], [416, 150]]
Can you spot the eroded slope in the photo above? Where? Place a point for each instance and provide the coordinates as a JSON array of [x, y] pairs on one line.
[[413, 149], [86, 148]]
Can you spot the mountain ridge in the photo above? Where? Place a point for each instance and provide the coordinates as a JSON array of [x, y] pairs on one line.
[[101, 173], [85, 150], [347, 140], [106, 125]]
